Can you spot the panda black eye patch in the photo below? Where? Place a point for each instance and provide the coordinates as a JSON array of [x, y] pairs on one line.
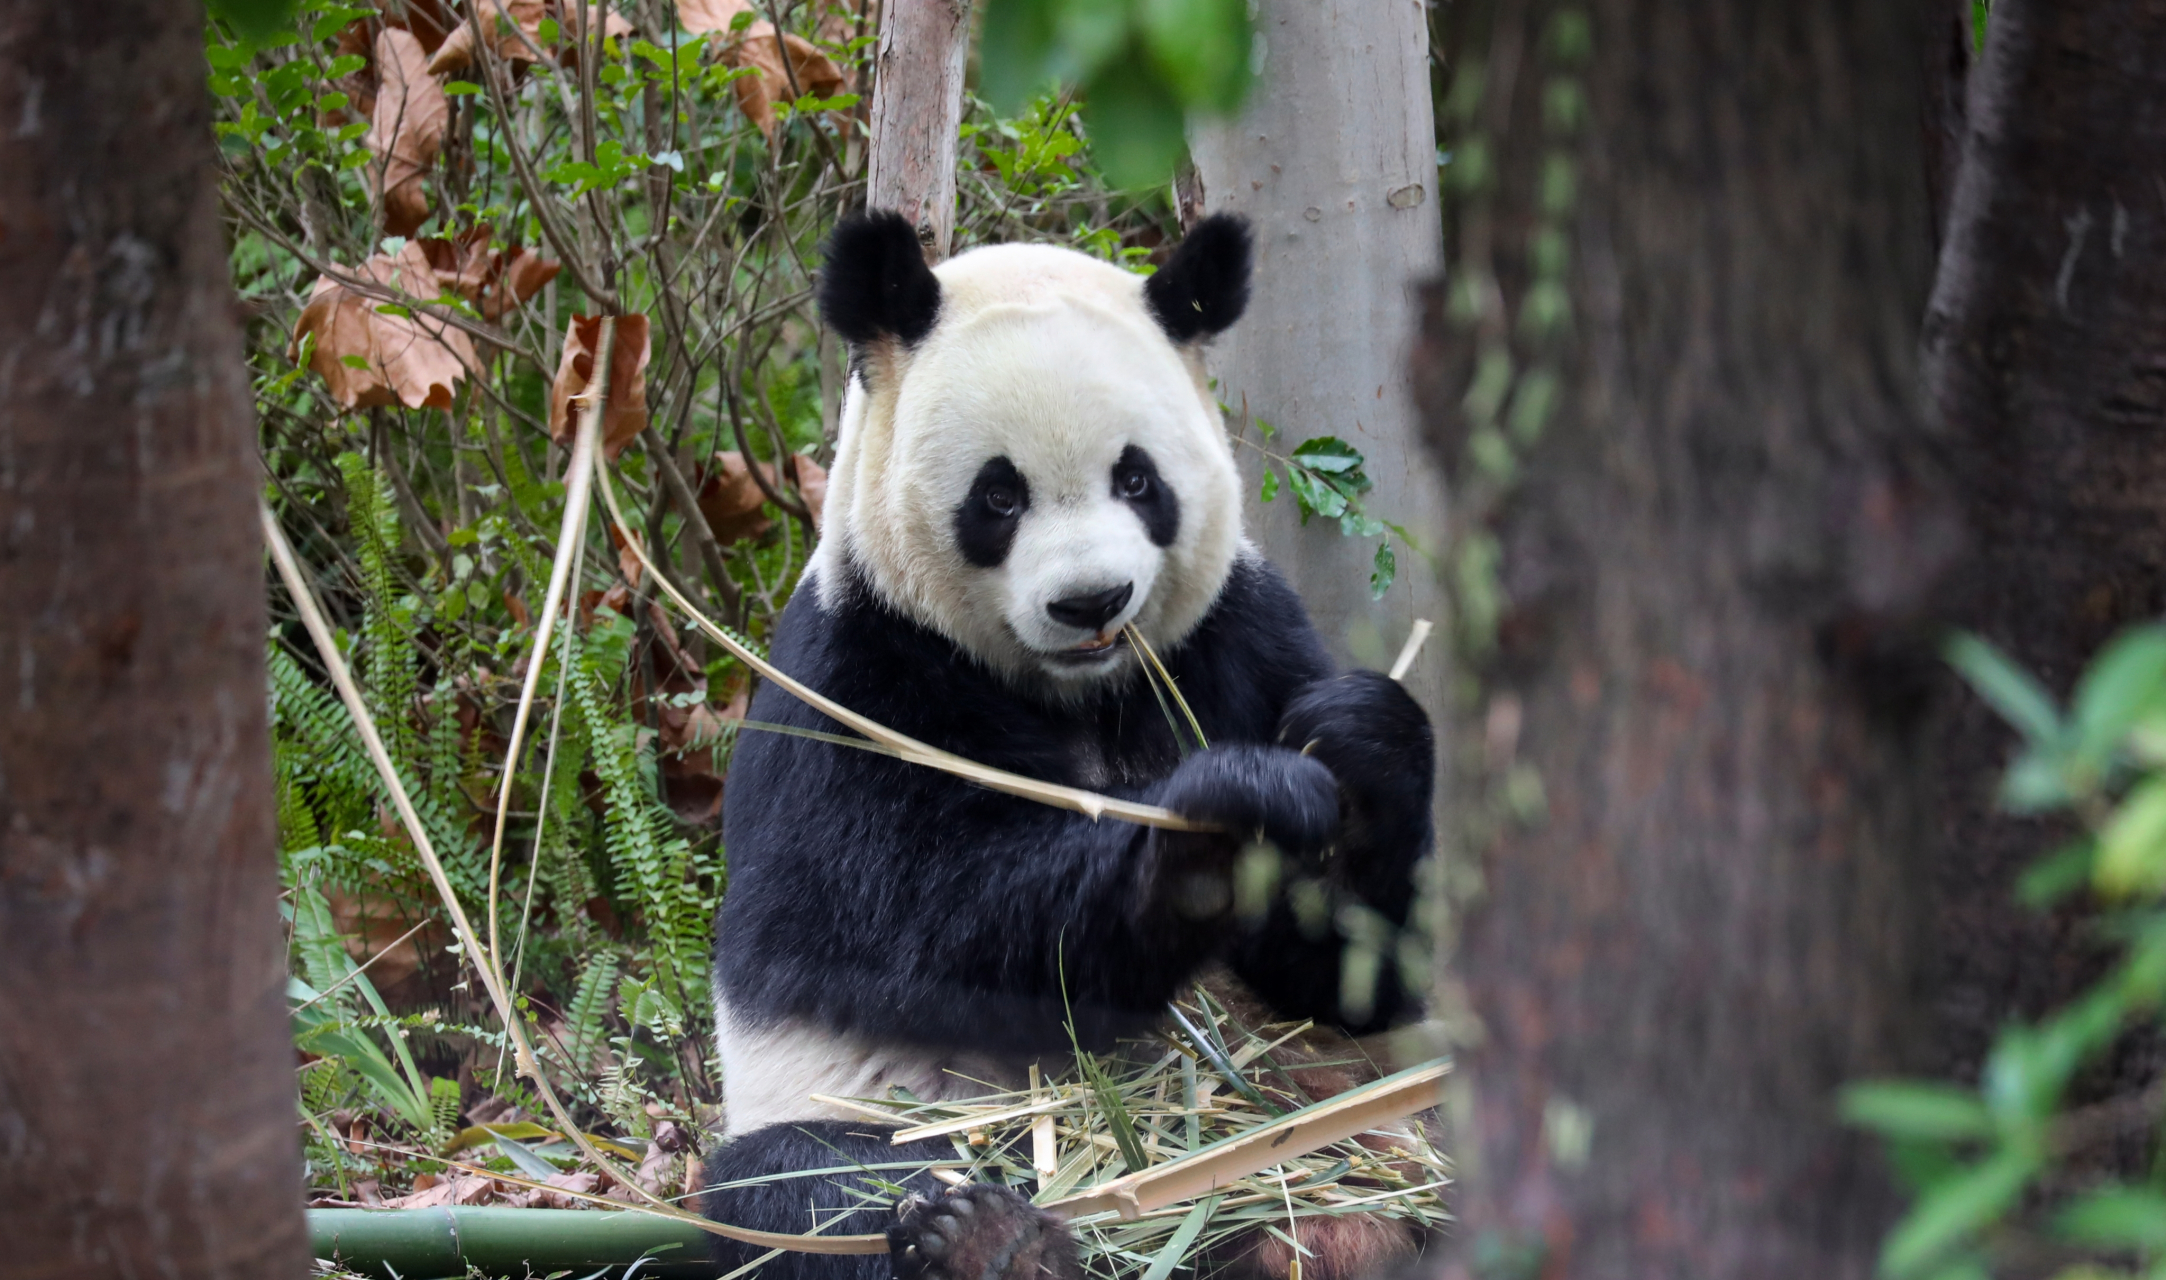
[[1136, 482], [985, 522]]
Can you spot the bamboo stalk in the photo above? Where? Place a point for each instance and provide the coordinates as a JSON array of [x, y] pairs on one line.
[[419, 1243]]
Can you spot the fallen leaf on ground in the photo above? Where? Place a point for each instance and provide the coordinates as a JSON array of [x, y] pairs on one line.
[[515, 28], [464, 1190], [369, 358], [406, 131], [625, 413], [555, 1198]]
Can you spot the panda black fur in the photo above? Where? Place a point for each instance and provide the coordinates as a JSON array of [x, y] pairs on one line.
[[1030, 459]]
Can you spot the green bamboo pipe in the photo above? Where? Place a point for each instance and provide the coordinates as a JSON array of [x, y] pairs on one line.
[[434, 1244]]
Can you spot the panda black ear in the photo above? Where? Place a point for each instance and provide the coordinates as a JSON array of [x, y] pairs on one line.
[[1203, 288], [875, 283]]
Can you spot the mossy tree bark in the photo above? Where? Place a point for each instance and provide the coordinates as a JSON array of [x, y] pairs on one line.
[[2046, 362], [1711, 561], [146, 1078]]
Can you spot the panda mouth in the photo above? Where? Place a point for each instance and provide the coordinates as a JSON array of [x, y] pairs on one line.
[[1097, 649]]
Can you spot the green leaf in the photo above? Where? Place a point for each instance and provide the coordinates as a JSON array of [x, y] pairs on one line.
[[1384, 571], [2008, 688], [2132, 847], [334, 19], [354, 362], [2117, 1218], [1027, 46], [533, 1166], [1270, 485], [460, 88], [254, 19], [2057, 875], [1328, 454], [1315, 495], [1136, 126], [2120, 685], [1176, 1247], [1953, 1211], [344, 65], [1201, 49], [1917, 1109]]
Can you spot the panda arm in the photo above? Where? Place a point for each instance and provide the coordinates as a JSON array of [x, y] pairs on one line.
[[888, 900], [1259, 652]]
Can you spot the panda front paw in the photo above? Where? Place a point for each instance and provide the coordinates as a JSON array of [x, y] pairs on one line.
[[979, 1232], [1369, 732], [1278, 795]]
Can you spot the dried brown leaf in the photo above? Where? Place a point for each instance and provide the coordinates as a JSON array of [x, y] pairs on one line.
[[625, 413], [406, 130], [812, 486], [759, 48], [494, 280], [731, 499], [359, 86], [701, 16], [414, 360], [463, 1190], [514, 27]]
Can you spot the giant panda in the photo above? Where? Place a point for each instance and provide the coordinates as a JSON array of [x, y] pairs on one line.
[[1030, 459]]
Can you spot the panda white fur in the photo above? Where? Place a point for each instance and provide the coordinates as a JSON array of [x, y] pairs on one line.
[[1030, 459]]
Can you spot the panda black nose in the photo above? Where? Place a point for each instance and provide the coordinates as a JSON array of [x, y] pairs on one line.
[[1093, 611]]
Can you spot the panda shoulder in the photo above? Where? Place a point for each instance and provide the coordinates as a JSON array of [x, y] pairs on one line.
[[1259, 613]]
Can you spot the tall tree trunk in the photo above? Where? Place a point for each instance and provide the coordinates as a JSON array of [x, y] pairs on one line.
[[1334, 164], [917, 114], [2046, 360], [146, 1079], [1705, 562]]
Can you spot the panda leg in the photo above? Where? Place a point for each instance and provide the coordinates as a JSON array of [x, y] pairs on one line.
[[980, 1233], [760, 1180]]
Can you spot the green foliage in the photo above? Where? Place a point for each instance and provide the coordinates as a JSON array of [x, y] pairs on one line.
[[1143, 67], [2010, 1158], [1326, 476], [431, 531]]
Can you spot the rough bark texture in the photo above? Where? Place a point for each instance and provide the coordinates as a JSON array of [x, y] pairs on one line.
[[2046, 362], [1334, 164], [146, 1082], [917, 113], [1705, 565]]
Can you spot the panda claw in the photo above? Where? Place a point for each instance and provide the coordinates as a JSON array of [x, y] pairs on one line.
[[980, 1233]]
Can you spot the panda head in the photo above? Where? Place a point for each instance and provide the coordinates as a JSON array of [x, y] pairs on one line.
[[1031, 457]]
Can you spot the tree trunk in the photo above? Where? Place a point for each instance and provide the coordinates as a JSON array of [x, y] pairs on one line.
[[2046, 360], [146, 1078], [1334, 164], [1706, 562], [917, 114]]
